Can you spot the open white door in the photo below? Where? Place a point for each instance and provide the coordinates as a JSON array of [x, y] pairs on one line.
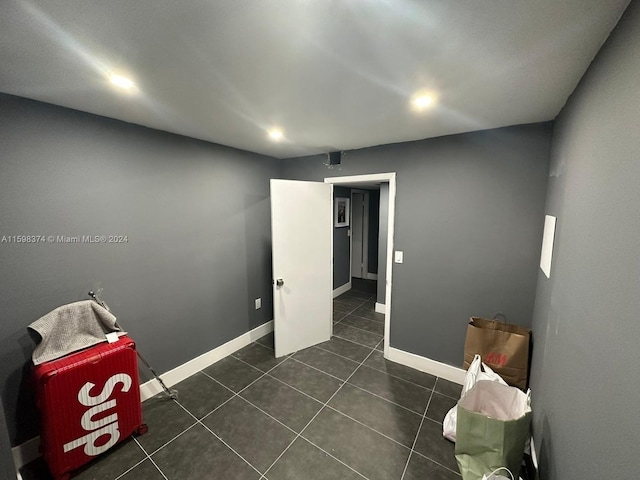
[[301, 233]]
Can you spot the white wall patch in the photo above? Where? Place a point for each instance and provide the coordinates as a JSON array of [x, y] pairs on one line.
[[547, 244]]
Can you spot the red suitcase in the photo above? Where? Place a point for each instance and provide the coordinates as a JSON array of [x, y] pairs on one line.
[[89, 401]]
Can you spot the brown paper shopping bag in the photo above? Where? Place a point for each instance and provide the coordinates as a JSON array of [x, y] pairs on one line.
[[502, 346]]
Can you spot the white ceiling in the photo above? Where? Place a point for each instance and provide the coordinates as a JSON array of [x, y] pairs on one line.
[[333, 74]]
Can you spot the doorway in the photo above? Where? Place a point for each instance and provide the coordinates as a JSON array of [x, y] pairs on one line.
[[384, 274]]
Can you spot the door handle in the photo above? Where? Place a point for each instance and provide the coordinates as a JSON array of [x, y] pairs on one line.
[[279, 282]]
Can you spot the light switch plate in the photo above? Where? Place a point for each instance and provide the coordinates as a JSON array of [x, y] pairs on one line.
[[258, 303], [399, 256]]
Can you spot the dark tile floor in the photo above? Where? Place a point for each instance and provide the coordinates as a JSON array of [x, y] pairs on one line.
[[338, 410]]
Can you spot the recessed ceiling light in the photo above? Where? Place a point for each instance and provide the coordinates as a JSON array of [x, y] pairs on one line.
[[276, 134], [423, 101], [121, 82]]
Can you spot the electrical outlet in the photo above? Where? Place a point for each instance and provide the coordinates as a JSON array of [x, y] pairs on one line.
[[258, 303]]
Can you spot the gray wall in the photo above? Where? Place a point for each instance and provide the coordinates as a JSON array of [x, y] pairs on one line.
[[469, 217], [585, 379], [341, 246], [382, 242], [374, 214], [197, 217]]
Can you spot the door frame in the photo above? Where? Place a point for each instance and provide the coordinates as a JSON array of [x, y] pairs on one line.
[[363, 180]]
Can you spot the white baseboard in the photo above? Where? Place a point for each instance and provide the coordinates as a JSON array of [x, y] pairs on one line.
[[442, 370], [381, 308], [184, 371], [26, 452], [342, 289], [372, 276], [29, 450]]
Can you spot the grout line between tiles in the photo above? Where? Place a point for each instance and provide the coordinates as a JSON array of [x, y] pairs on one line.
[[444, 394], [383, 398], [374, 368], [349, 340], [169, 441], [338, 355], [344, 382], [400, 378], [219, 438], [354, 314], [199, 421], [251, 344], [147, 457], [314, 417], [318, 369], [436, 462], [237, 394], [362, 329], [364, 425], [417, 435], [286, 426], [134, 466]]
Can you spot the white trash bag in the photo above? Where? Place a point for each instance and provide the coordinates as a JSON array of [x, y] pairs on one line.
[[494, 475], [477, 371]]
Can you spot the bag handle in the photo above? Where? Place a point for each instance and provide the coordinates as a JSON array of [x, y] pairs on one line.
[[497, 470], [501, 317]]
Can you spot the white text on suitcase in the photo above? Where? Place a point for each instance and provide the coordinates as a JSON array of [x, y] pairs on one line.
[[105, 426]]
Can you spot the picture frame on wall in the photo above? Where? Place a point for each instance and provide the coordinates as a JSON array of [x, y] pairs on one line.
[[341, 213]]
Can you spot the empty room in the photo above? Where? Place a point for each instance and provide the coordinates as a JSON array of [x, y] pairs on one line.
[[291, 209]]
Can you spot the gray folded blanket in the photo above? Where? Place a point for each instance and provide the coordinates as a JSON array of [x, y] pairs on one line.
[[71, 328]]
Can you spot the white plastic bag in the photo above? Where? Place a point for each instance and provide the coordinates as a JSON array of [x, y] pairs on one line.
[[494, 475], [477, 371]]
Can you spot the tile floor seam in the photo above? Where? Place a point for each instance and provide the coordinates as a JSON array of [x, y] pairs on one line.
[[211, 412], [254, 343], [404, 379], [362, 318], [334, 457], [385, 399], [225, 443], [359, 301], [344, 315], [359, 344], [134, 466], [315, 416], [296, 389], [318, 369], [268, 415], [237, 394], [413, 450], [343, 413], [364, 425], [363, 330], [351, 384], [340, 301], [415, 440], [149, 458], [158, 468], [365, 318], [443, 394], [172, 439], [337, 354], [436, 462], [351, 308]]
